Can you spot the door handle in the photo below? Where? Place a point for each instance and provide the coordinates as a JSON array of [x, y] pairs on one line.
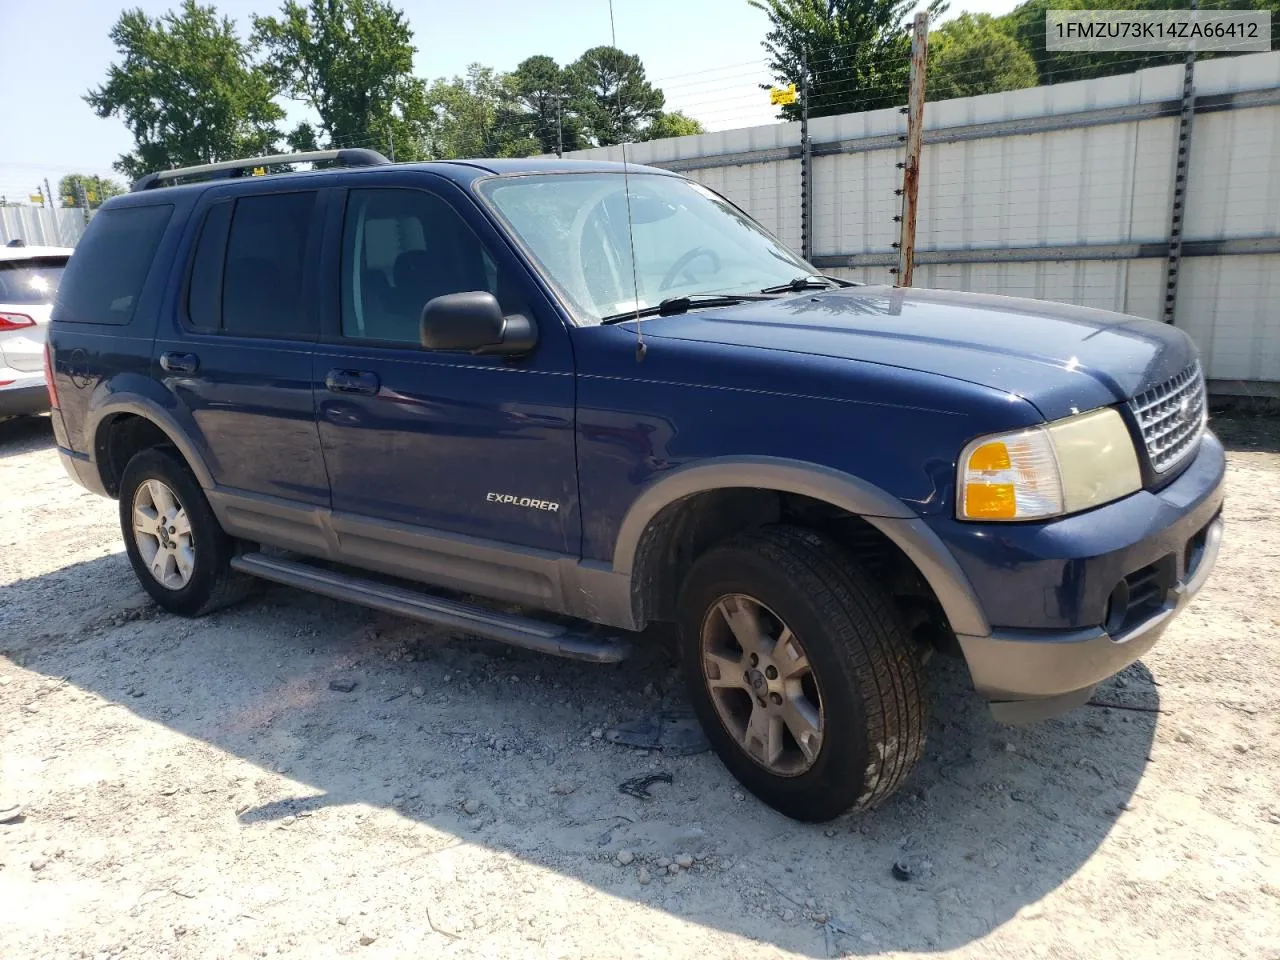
[[352, 381], [179, 362]]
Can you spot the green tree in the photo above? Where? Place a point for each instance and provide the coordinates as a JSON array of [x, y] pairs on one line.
[[304, 138], [187, 89], [538, 89], [674, 124], [611, 97], [972, 55], [472, 116], [858, 51], [97, 190], [351, 61]]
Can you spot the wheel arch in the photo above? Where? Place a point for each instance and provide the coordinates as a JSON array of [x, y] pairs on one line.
[[127, 423], [752, 490]]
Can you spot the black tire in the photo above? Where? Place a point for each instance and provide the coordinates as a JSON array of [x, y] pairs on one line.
[[212, 584], [867, 668]]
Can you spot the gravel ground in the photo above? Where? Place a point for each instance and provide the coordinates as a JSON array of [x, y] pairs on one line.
[[199, 789]]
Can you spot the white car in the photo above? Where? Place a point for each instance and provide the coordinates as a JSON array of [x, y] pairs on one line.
[[29, 279]]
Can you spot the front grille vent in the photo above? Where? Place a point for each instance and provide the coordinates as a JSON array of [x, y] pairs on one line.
[[1172, 417]]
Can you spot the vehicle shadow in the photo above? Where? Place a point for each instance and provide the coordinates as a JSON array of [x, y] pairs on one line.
[[20, 435], [1243, 433], [993, 819]]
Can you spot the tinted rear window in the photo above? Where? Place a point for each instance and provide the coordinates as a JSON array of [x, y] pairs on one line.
[[262, 289], [204, 294], [104, 279], [30, 281]]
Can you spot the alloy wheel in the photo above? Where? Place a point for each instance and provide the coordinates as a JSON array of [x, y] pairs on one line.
[[762, 685], [162, 532]]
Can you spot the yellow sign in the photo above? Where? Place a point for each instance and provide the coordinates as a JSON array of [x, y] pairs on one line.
[[37, 198], [259, 171], [785, 94]]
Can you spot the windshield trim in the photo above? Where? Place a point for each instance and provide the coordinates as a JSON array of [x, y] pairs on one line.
[[533, 263]]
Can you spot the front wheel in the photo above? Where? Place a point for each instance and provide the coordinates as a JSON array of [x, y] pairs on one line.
[[178, 550], [802, 672]]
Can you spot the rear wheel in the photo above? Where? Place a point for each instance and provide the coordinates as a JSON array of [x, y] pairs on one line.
[[802, 672], [179, 552]]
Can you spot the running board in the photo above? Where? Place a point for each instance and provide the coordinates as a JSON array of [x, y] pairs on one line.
[[552, 638]]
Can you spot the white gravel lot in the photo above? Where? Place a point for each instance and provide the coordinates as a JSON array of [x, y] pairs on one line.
[[197, 789]]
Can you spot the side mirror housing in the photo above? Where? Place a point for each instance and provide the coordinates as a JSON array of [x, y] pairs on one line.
[[473, 322]]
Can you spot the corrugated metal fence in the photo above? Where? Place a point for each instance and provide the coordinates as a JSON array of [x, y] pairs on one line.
[[58, 227], [1060, 193]]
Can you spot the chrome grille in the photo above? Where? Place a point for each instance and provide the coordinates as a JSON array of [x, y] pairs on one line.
[[1172, 416]]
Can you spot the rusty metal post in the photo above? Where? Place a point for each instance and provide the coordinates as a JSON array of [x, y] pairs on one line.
[[911, 166], [1181, 171], [806, 164]]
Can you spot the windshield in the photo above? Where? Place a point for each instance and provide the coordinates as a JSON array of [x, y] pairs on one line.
[[30, 281], [688, 240]]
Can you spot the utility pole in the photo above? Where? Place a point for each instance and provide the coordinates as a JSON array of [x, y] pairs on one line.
[[806, 163], [84, 198], [391, 143], [49, 196], [911, 166], [559, 125]]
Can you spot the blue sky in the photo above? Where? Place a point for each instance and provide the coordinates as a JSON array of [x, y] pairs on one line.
[[705, 54]]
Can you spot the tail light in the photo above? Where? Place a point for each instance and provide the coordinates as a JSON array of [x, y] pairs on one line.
[[14, 321], [48, 376]]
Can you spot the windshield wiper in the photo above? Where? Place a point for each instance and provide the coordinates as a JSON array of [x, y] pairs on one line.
[[673, 305], [810, 282]]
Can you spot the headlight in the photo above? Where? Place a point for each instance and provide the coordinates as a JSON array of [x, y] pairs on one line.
[[1062, 467]]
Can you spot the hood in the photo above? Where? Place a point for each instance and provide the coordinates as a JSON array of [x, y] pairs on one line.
[[1062, 358]]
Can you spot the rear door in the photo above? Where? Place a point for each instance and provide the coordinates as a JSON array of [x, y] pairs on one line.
[[236, 351]]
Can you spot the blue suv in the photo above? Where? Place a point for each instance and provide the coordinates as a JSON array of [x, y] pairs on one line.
[[555, 402]]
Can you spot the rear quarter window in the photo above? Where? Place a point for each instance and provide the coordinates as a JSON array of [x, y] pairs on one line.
[[104, 278]]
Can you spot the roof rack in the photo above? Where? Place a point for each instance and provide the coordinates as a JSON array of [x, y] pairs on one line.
[[355, 157]]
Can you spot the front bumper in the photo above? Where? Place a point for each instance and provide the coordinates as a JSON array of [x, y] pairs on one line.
[[1163, 544], [1031, 677]]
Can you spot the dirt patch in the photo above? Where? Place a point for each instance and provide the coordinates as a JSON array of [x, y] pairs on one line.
[[198, 788]]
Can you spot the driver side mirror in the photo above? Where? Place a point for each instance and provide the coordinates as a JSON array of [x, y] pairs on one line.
[[473, 322]]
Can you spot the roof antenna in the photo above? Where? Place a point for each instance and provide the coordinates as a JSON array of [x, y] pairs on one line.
[[641, 349]]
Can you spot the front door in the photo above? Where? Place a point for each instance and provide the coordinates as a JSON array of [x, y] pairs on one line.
[[447, 467]]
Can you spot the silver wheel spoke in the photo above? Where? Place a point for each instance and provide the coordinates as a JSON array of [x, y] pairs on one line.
[[185, 558], [803, 722], [764, 736], [744, 622], [145, 520], [723, 671], [181, 524], [791, 660], [148, 547], [161, 497]]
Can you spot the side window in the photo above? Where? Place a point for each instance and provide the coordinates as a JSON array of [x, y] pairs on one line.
[[401, 248], [204, 292], [104, 279], [262, 289]]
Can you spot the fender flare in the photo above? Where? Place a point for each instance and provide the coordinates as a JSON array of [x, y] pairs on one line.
[[116, 403], [881, 509]]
